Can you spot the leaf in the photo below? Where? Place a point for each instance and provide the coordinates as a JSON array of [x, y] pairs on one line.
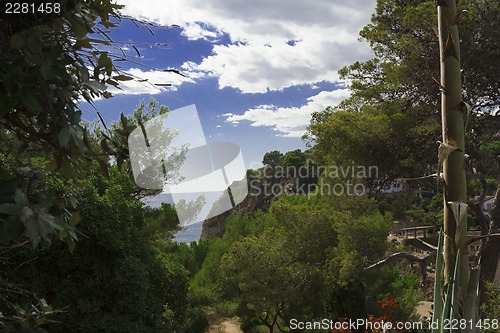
[[105, 146], [96, 86], [51, 166], [83, 43], [20, 198], [76, 117], [32, 103], [107, 94], [136, 50], [4, 233], [104, 168], [437, 315], [174, 71], [113, 82], [63, 137], [7, 103], [51, 220], [9, 209], [123, 120], [455, 290], [459, 210], [26, 213], [104, 61], [33, 232], [63, 234], [123, 77], [71, 244], [74, 219], [444, 150], [17, 41], [47, 72], [45, 228], [73, 201], [79, 28], [471, 296], [86, 137], [69, 171]]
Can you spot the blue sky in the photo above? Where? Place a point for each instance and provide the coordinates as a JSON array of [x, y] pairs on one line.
[[255, 70]]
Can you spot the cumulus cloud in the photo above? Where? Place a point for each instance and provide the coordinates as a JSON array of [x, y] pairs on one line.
[[274, 44], [151, 82], [289, 122]]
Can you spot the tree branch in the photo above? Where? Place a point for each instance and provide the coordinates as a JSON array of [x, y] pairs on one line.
[[400, 255], [423, 262]]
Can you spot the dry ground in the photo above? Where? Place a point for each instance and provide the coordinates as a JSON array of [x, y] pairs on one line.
[[223, 325]]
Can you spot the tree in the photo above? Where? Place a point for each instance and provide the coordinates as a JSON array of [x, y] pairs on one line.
[[294, 159], [49, 61], [385, 136], [291, 263], [403, 35], [263, 275], [44, 65], [272, 158], [113, 280], [401, 105], [116, 278]]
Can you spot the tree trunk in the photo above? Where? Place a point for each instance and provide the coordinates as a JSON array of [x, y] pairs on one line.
[[453, 136]]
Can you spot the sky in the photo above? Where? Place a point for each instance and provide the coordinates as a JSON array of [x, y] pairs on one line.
[[256, 70]]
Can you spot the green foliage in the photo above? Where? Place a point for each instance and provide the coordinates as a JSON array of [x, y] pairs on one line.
[[404, 286], [295, 158], [263, 275], [359, 244], [270, 267], [203, 284], [406, 290], [45, 60], [112, 281], [384, 135], [391, 119], [190, 256], [160, 223], [115, 280], [44, 65], [272, 158], [348, 299], [51, 178], [491, 309]]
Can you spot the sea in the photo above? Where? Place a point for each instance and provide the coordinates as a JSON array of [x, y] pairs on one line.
[[191, 232]]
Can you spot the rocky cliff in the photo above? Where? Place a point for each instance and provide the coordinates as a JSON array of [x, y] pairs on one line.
[[256, 199]]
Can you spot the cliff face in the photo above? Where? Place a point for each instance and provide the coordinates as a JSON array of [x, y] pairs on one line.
[[262, 191], [256, 199]]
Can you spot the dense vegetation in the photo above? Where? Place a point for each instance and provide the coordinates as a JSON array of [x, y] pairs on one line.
[[80, 252]]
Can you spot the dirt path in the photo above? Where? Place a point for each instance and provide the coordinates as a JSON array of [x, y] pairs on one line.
[[225, 326], [424, 310]]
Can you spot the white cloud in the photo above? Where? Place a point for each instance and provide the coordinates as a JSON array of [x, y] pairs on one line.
[[150, 82], [259, 58], [290, 122]]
